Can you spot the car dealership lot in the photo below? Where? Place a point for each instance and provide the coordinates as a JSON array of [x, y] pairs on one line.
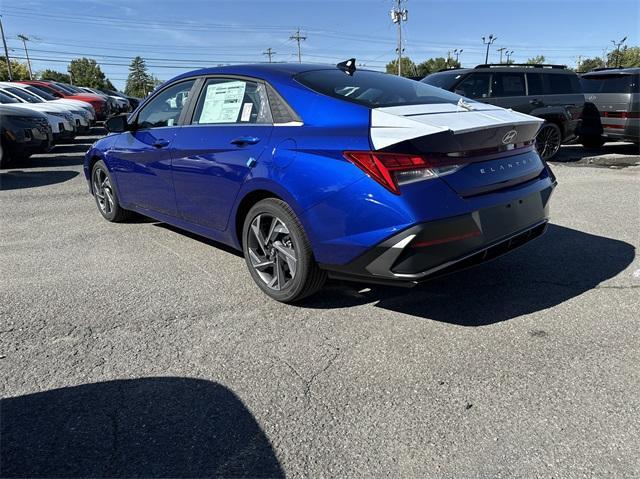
[[526, 366]]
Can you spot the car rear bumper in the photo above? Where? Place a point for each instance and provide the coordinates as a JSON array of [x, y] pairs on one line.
[[437, 247]]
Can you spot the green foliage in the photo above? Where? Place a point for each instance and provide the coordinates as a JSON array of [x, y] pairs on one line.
[[408, 67], [20, 70], [139, 82], [627, 57], [86, 72], [432, 65], [54, 75], [537, 60], [589, 64]]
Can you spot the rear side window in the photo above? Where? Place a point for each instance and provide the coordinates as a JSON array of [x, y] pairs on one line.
[[560, 84], [225, 100], [373, 89], [535, 84], [475, 85], [611, 84], [508, 84]]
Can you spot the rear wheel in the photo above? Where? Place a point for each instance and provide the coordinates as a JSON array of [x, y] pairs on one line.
[[105, 195], [548, 140], [592, 141], [278, 252]]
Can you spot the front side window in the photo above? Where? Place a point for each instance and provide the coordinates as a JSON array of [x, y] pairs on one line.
[[508, 84], [475, 85], [444, 80], [225, 100], [5, 99], [374, 89], [165, 108]]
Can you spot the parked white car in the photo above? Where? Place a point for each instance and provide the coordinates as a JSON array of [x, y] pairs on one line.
[[81, 118], [62, 124], [43, 95]]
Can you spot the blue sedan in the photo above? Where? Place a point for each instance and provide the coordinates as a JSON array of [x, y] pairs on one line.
[[326, 171]]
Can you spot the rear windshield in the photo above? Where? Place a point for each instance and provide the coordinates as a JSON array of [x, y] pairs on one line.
[[374, 89], [444, 80], [610, 83]]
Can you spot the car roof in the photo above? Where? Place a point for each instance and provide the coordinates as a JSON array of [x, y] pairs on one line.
[[266, 71], [614, 71]]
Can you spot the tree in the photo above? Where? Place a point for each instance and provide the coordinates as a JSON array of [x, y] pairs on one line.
[[20, 70], [537, 60], [589, 64], [408, 67], [628, 57], [86, 72], [432, 65], [139, 82], [54, 75]]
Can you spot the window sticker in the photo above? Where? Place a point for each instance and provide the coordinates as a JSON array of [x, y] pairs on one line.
[[222, 102], [246, 112]]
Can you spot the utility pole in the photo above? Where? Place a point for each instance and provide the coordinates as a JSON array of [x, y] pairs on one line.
[[298, 38], [269, 53], [457, 53], [6, 52], [488, 43], [26, 52], [501, 49], [617, 45], [399, 15], [508, 55]]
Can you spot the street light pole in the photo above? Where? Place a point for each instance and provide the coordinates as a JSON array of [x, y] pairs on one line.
[[6, 51], [508, 55], [617, 45], [457, 53], [488, 43], [25, 39]]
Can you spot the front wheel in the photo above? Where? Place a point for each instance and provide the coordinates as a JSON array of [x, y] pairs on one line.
[[548, 140], [278, 252], [105, 195]]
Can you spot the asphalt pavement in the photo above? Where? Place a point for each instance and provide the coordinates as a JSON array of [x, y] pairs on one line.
[[138, 350]]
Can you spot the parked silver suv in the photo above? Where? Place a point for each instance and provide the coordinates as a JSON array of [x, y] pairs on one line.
[[612, 112]]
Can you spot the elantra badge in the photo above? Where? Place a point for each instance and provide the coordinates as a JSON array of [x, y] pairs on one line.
[[509, 136]]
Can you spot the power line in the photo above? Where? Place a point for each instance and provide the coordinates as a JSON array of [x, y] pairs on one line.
[[298, 38]]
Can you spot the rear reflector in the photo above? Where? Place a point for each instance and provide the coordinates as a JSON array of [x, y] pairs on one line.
[[620, 114]]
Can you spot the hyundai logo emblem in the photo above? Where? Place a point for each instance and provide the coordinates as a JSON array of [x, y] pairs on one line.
[[509, 136]]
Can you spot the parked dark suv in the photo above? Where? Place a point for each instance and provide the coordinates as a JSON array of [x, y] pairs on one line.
[[22, 133], [550, 92], [613, 106]]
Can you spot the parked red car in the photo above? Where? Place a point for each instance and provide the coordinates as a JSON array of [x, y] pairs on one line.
[[99, 103]]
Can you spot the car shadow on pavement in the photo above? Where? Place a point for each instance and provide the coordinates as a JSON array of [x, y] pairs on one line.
[[562, 264], [149, 427], [17, 179]]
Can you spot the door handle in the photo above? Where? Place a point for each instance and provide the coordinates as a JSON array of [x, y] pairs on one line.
[[535, 102], [245, 140], [160, 143]]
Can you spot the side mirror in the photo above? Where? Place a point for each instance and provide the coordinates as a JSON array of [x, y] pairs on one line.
[[117, 124]]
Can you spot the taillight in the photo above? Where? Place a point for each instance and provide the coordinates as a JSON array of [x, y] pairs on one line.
[[394, 169]]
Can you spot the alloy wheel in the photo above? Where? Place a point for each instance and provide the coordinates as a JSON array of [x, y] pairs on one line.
[[103, 191], [548, 141], [271, 251]]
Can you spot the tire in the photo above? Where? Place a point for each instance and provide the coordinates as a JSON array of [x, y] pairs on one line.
[[105, 194], [548, 140], [273, 241], [592, 141]]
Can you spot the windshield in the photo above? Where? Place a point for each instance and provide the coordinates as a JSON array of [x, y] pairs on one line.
[[25, 95], [374, 89], [4, 99], [47, 89], [444, 80], [41, 93], [68, 89], [615, 83]]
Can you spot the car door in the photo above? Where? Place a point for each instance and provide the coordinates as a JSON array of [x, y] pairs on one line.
[[141, 158], [508, 90], [229, 132]]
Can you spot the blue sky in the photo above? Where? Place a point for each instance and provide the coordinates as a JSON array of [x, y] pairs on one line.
[[179, 35]]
